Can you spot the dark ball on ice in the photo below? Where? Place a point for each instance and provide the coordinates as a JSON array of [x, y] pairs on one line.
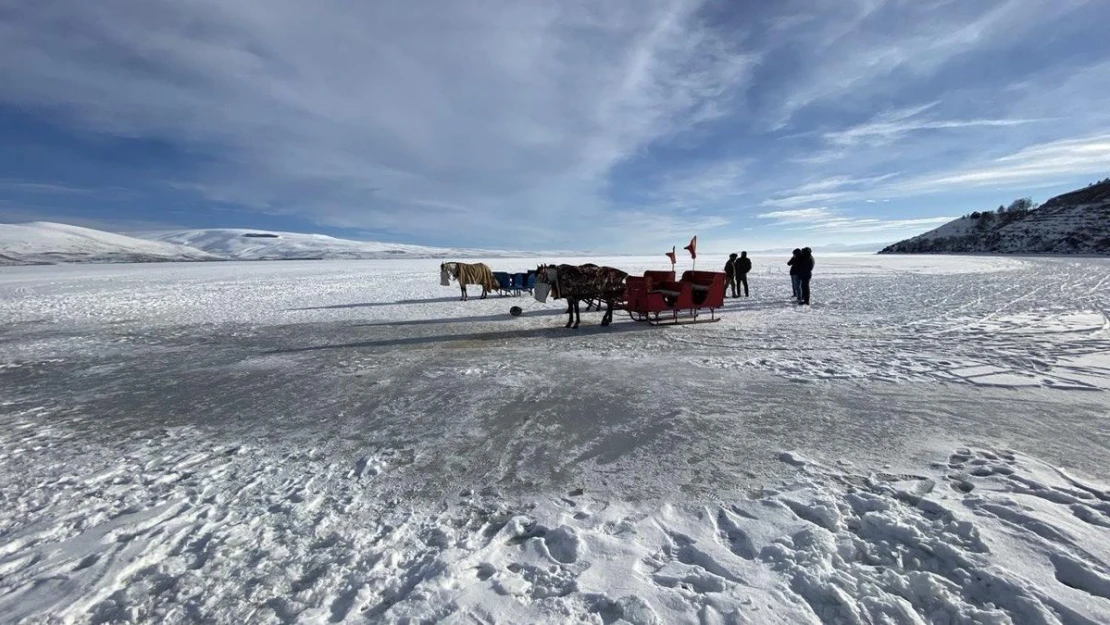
[[516, 311]]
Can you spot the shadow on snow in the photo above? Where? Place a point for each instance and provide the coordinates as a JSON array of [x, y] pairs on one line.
[[400, 302], [476, 319], [496, 335]]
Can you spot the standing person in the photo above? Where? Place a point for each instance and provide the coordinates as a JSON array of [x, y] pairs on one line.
[[730, 274], [806, 273], [795, 263], [743, 266]]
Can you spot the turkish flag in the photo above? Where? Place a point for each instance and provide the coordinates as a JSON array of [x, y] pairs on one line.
[[693, 247], [670, 255]]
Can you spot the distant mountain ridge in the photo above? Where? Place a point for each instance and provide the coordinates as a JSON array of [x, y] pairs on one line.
[[47, 243], [1077, 222], [243, 244]]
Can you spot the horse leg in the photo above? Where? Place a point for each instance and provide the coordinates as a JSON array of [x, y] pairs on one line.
[[570, 312], [463, 289], [577, 314], [608, 317]]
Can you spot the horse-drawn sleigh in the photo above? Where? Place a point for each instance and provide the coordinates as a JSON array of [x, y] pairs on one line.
[[655, 298]]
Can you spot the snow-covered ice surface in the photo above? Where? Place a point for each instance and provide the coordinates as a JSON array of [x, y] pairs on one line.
[[329, 442]]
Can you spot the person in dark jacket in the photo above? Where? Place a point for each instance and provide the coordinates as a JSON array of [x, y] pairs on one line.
[[795, 263], [805, 274], [743, 266], [730, 274]]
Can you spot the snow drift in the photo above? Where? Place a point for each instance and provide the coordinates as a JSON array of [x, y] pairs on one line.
[[43, 242]]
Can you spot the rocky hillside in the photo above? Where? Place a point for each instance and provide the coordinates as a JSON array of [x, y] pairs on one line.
[[1073, 223]]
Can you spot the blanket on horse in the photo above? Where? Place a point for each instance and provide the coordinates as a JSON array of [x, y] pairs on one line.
[[588, 281], [476, 273]]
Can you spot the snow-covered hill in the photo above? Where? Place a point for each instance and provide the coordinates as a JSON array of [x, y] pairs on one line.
[[43, 242], [1073, 223], [239, 244]]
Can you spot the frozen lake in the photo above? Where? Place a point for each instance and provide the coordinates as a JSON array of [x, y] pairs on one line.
[[347, 442]]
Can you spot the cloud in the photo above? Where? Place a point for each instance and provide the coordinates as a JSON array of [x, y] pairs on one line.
[[44, 188], [703, 186], [1070, 157], [798, 215], [348, 113], [564, 124], [656, 230], [832, 222], [1030, 167], [878, 133], [859, 47], [850, 225]]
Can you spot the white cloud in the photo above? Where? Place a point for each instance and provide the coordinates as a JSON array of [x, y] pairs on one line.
[[704, 185], [658, 231], [350, 113], [878, 133], [492, 121], [806, 198], [1030, 167], [1071, 157], [855, 50], [800, 215], [834, 223], [850, 225]]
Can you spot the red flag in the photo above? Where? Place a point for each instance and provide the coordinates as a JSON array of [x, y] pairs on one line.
[[693, 247], [670, 255]]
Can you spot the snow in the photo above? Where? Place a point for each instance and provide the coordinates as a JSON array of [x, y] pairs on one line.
[[345, 441], [241, 244], [45, 242], [959, 227]]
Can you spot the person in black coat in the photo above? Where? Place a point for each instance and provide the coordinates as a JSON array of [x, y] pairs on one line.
[[743, 266], [730, 274], [795, 263], [807, 263]]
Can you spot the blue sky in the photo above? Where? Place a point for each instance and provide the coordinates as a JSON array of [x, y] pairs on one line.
[[616, 126]]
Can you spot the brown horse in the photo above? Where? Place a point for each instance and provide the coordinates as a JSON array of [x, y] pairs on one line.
[[584, 282]]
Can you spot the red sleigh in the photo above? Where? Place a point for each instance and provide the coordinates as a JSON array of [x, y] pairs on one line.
[[658, 298]]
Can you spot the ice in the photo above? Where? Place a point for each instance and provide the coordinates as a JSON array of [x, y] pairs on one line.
[[330, 442]]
